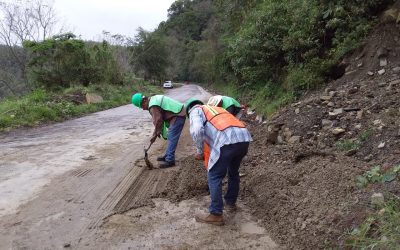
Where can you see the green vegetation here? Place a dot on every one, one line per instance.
(380, 230)
(354, 144)
(376, 175)
(42, 106)
(269, 51)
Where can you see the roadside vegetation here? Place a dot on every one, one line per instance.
(41, 106)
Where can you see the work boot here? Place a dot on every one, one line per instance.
(230, 207)
(214, 219)
(161, 158)
(167, 164)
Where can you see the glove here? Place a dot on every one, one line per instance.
(199, 157)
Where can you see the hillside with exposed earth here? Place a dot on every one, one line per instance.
(306, 175)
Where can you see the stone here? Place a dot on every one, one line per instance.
(381, 72)
(358, 126)
(338, 131)
(360, 65)
(377, 199)
(326, 123)
(381, 145)
(272, 137)
(294, 139)
(381, 52)
(368, 157)
(250, 112)
(352, 91)
(325, 98)
(93, 98)
(280, 140)
(331, 104)
(382, 84)
(381, 212)
(360, 114)
(336, 112)
(370, 73)
(297, 111)
(383, 62)
(332, 93)
(396, 70)
(259, 119)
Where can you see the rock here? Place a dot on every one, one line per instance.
(349, 109)
(381, 212)
(389, 16)
(370, 73)
(377, 123)
(294, 139)
(358, 126)
(336, 112)
(360, 65)
(338, 131)
(325, 98)
(259, 119)
(297, 111)
(352, 91)
(93, 98)
(66, 245)
(377, 199)
(382, 84)
(332, 93)
(326, 123)
(396, 70)
(381, 52)
(383, 62)
(331, 104)
(272, 137)
(360, 114)
(381, 72)
(381, 145)
(280, 140)
(351, 152)
(368, 157)
(250, 112)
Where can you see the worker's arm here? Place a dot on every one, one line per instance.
(156, 114)
(197, 129)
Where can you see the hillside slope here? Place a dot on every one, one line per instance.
(300, 174)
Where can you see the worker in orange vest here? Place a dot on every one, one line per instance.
(221, 141)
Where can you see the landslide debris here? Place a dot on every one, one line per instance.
(300, 172)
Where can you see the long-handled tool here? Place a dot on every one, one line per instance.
(146, 158)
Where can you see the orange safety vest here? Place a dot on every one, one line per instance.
(221, 120)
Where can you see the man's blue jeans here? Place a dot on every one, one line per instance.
(229, 162)
(174, 132)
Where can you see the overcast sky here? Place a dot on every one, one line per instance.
(89, 18)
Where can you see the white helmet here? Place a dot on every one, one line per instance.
(214, 100)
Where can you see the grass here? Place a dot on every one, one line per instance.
(41, 106)
(347, 145)
(380, 230)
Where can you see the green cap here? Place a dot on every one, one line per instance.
(137, 99)
(191, 102)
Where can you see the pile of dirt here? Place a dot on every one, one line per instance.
(190, 181)
(300, 172)
(303, 163)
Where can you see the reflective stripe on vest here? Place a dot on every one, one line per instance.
(221, 120)
(166, 103)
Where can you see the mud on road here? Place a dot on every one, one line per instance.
(82, 184)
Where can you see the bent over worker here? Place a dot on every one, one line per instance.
(165, 113)
(227, 103)
(222, 141)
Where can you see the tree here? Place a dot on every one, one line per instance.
(149, 55)
(33, 20)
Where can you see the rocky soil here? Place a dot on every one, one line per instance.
(299, 176)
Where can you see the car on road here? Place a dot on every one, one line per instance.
(168, 85)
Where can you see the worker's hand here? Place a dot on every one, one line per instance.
(153, 139)
(199, 157)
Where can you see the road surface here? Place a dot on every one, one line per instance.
(82, 184)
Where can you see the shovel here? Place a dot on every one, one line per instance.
(146, 158)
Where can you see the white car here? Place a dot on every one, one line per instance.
(168, 85)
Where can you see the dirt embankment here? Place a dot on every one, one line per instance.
(299, 175)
